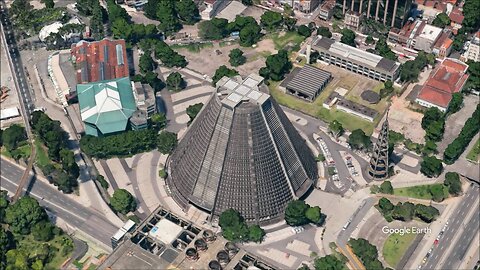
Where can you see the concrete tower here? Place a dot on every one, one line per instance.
(378, 167)
(241, 152)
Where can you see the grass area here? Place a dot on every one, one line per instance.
(42, 158)
(31, 246)
(23, 151)
(316, 109)
(419, 192)
(395, 247)
(193, 47)
(281, 40)
(475, 152)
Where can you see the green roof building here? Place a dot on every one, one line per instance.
(106, 106)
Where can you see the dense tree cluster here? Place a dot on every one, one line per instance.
(473, 81)
(441, 20)
(221, 72)
(382, 49)
(234, 228)
(411, 69)
(150, 78)
(456, 103)
(172, 13)
(120, 145)
(277, 65)
(359, 140)
(328, 262)
(193, 110)
(406, 211)
(123, 202)
(348, 37)
(452, 181)
(166, 142)
(456, 148)
(304, 31)
(335, 128)
(163, 52)
(433, 122)
(431, 166)
(248, 28)
(55, 139)
(271, 20)
(387, 89)
(471, 21)
(24, 218)
(367, 253)
(324, 32)
(300, 213)
(236, 57)
(13, 137)
(214, 29)
(146, 62)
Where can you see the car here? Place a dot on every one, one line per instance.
(436, 241)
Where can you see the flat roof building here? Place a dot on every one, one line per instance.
(100, 60)
(356, 60)
(448, 78)
(106, 106)
(306, 82)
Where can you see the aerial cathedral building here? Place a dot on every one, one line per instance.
(378, 167)
(241, 152)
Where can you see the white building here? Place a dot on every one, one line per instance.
(472, 53)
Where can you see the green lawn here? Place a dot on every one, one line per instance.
(418, 192)
(31, 246)
(395, 247)
(193, 47)
(42, 158)
(316, 109)
(25, 151)
(281, 40)
(475, 152)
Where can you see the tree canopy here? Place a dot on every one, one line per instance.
(193, 110)
(366, 252)
(277, 65)
(456, 148)
(146, 63)
(122, 201)
(271, 20)
(336, 128)
(386, 187)
(324, 32)
(382, 49)
(431, 166)
(299, 213)
(166, 142)
(471, 21)
(236, 57)
(452, 181)
(221, 72)
(214, 29)
(234, 228)
(24, 214)
(359, 140)
(455, 103)
(175, 81)
(348, 37)
(329, 262)
(441, 20)
(12, 136)
(304, 30)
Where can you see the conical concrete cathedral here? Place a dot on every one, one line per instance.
(241, 152)
(378, 167)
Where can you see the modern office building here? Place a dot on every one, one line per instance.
(106, 106)
(241, 152)
(100, 60)
(448, 78)
(306, 82)
(356, 60)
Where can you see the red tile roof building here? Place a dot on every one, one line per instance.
(456, 17)
(100, 60)
(448, 78)
(443, 46)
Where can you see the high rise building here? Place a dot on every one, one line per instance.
(241, 152)
(378, 167)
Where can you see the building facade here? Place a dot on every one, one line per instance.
(378, 167)
(356, 60)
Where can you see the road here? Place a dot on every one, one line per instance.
(456, 223)
(87, 220)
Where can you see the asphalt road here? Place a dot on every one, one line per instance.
(87, 220)
(455, 225)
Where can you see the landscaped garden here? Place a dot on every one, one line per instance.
(420, 192)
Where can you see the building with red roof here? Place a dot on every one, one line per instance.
(456, 18)
(100, 60)
(448, 78)
(443, 46)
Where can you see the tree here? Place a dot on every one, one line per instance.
(255, 233)
(430, 148)
(303, 30)
(348, 37)
(278, 65)
(437, 193)
(382, 49)
(165, 13)
(385, 206)
(403, 211)
(175, 81)
(314, 214)
(162, 173)
(386, 187)
(187, 11)
(102, 181)
(247, 2)
(431, 115)
(233, 226)
(359, 140)
(289, 22)
(24, 214)
(250, 35)
(473, 81)
(6, 243)
(366, 252)
(167, 141)
(146, 63)
(213, 29)
(221, 72)
(150, 9)
(167, 56)
(369, 40)
(441, 20)
(469, 130)
(295, 213)
(335, 128)
(435, 131)
(193, 110)
(158, 121)
(329, 262)
(320, 158)
(324, 32)
(4, 202)
(12, 136)
(43, 231)
(431, 166)
(455, 103)
(452, 181)
(236, 57)
(426, 213)
(123, 202)
(49, 3)
(17, 259)
(67, 158)
(471, 19)
(271, 20)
